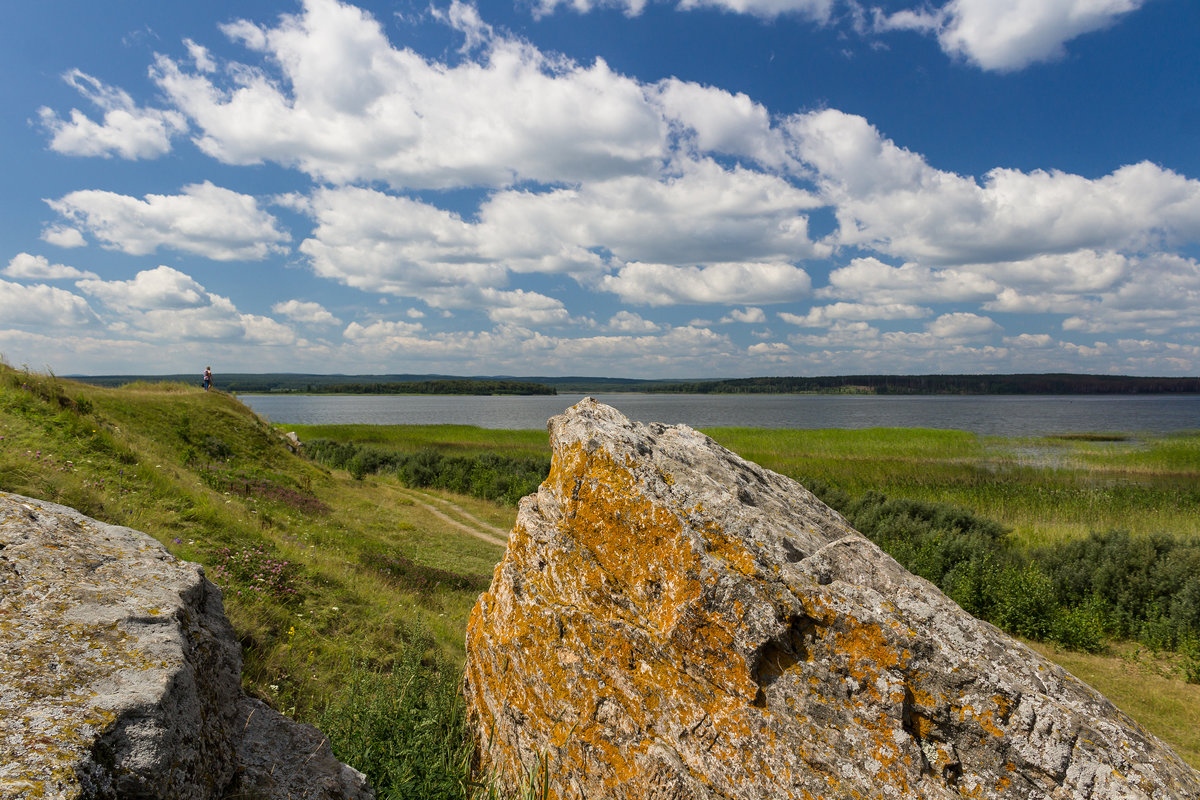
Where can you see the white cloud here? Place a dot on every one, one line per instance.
(703, 213)
(127, 131)
(396, 245)
(726, 283)
(825, 316)
(381, 330)
(520, 307)
(200, 56)
(817, 10)
(31, 267)
(205, 219)
(751, 315)
(877, 283)
(841, 334)
(63, 236)
(41, 306)
(712, 120)
(164, 304)
(889, 199)
(1030, 340)
(962, 325)
(357, 109)
(160, 288)
(629, 322)
(1006, 35)
(301, 311)
(465, 19)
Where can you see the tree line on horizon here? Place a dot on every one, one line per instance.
(1012, 384)
(940, 384)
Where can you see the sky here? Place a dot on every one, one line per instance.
(625, 188)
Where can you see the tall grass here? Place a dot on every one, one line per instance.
(1048, 490)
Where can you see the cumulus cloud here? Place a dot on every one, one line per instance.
(703, 213)
(63, 236)
(168, 305)
(750, 314)
(629, 322)
(962, 325)
(815, 10)
(42, 306)
(520, 307)
(1029, 340)
(205, 219)
(1006, 35)
(664, 284)
(160, 288)
(872, 280)
(825, 316)
(381, 330)
(889, 199)
(126, 130)
(306, 312)
(396, 245)
(31, 267)
(348, 106)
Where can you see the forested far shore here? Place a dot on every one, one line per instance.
(339, 384)
(1050, 383)
(943, 384)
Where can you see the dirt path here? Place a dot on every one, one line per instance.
(478, 528)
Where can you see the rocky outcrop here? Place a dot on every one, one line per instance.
(120, 676)
(670, 621)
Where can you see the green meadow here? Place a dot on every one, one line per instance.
(349, 586)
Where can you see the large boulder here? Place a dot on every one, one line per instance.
(670, 621)
(120, 676)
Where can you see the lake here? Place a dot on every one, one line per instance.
(1007, 415)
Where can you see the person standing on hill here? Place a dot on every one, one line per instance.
(207, 382)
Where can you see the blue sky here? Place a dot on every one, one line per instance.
(696, 188)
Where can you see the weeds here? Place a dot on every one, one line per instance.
(405, 727)
(254, 569)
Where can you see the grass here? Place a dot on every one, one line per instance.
(446, 439)
(351, 597)
(1047, 489)
(307, 558)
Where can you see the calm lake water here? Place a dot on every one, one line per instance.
(1000, 415)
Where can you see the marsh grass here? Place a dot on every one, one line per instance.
(1047, 490)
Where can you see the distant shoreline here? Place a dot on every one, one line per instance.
(1014, 384)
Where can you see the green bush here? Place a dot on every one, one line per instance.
(488, 476)
(1148, 587)
(1077, 594)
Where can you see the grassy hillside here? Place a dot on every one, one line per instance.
(351, 595)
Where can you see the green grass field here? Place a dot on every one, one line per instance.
(358, 624)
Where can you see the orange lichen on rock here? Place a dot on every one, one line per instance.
(672, 622)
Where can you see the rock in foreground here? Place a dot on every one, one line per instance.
(670, 621)
(120, 676)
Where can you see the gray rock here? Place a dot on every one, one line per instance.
(670, 621)
(120, 676)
